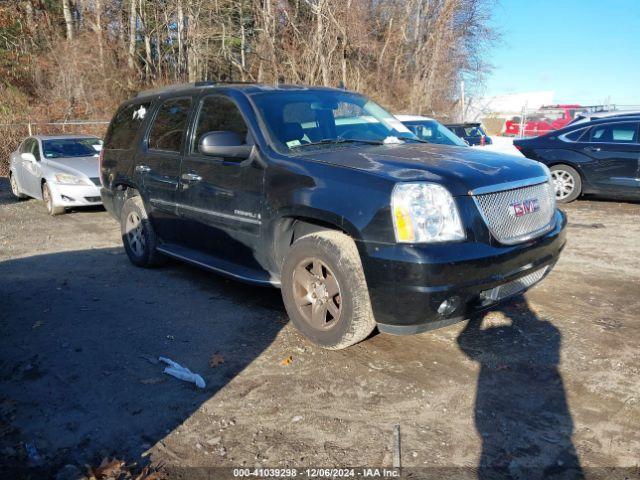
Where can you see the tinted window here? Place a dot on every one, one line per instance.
(218, 114)
(575, 135)
(124, 126)
(169, 125)
(615, 133)
(71, 147)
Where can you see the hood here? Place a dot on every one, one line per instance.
(459, 169)
(88, 166)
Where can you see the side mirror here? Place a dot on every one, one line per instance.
(28, 157)
(224, 144)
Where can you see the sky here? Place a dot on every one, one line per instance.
(585, 50)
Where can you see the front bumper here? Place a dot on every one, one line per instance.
(408, 283)
(75, 195)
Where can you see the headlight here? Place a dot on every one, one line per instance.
(424, 212)
(68, 179)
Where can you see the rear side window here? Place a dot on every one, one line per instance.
(615, 133)
(125, 125)
(169, 125)
(575, 135)
(218, 114)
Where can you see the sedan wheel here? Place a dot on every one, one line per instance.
(566, 182)
(14, 187)
(48, 201)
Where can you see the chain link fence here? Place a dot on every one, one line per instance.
(13, 134)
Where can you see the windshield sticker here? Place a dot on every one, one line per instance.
(293, 143)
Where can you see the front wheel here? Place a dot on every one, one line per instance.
(567, 183)
(325, 292)
(48, 201)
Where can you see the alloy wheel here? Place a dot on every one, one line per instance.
(563, 182)
(46, 196)
(14, 186)
(135, 234)
(317, 294)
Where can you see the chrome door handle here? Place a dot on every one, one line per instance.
(191, 177)
(143, 169)
(593, 149)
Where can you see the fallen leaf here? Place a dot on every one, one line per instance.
(215, 360)
(107, 469)
(287, 361)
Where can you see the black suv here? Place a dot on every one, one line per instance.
(600, 157)
(324, 194)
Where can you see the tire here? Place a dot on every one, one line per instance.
(312, 264)
(138, 236)
(48, 201)
(567, 182)
(15, 190)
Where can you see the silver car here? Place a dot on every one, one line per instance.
(61, 170)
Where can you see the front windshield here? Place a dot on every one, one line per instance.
(315, 119)
(434, 132)
(71, 147)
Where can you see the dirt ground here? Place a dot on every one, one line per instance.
(549, 381)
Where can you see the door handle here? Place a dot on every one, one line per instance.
(143, 169)
(191, 177)
(593, 149)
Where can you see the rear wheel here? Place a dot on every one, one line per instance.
(138, 236)
(48, 201)
(14, 187)
(325, 292)
(567, 183)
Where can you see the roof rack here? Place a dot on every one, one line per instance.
(182, 86)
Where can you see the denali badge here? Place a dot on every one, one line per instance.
(524, 207)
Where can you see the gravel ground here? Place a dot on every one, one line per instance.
(548, 381)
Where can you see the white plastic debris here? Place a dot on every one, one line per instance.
(183, 373)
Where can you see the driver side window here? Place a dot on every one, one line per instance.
(220, 114)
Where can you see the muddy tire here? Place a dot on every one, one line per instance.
(567, 183)
(325, 292)
(48, 202)
(15, 190)
(138, 236)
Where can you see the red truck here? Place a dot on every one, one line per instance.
(547, 118)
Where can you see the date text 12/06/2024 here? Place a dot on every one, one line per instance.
(316, 472)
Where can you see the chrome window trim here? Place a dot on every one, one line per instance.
(499, 187)
(237, 218)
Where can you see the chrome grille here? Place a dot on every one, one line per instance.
(511, 288)
(497, 211)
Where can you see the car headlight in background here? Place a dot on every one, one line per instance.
(425, 212)
(68, 179)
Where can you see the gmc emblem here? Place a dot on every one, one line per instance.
(520, 209)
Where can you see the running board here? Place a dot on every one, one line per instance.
(217, 265)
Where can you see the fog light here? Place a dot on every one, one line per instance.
(449, 306)
(66, 199)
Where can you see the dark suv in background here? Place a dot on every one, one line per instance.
(324, 194)
(472, 133)
(600, 157)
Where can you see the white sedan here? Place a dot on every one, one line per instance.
(61, 170)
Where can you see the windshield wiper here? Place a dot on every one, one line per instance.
(337, 141)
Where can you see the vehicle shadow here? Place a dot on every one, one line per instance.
(521, 410)
(6, 197)
(82, 330)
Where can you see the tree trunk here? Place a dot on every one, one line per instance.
(68, 18)
(132, 35)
